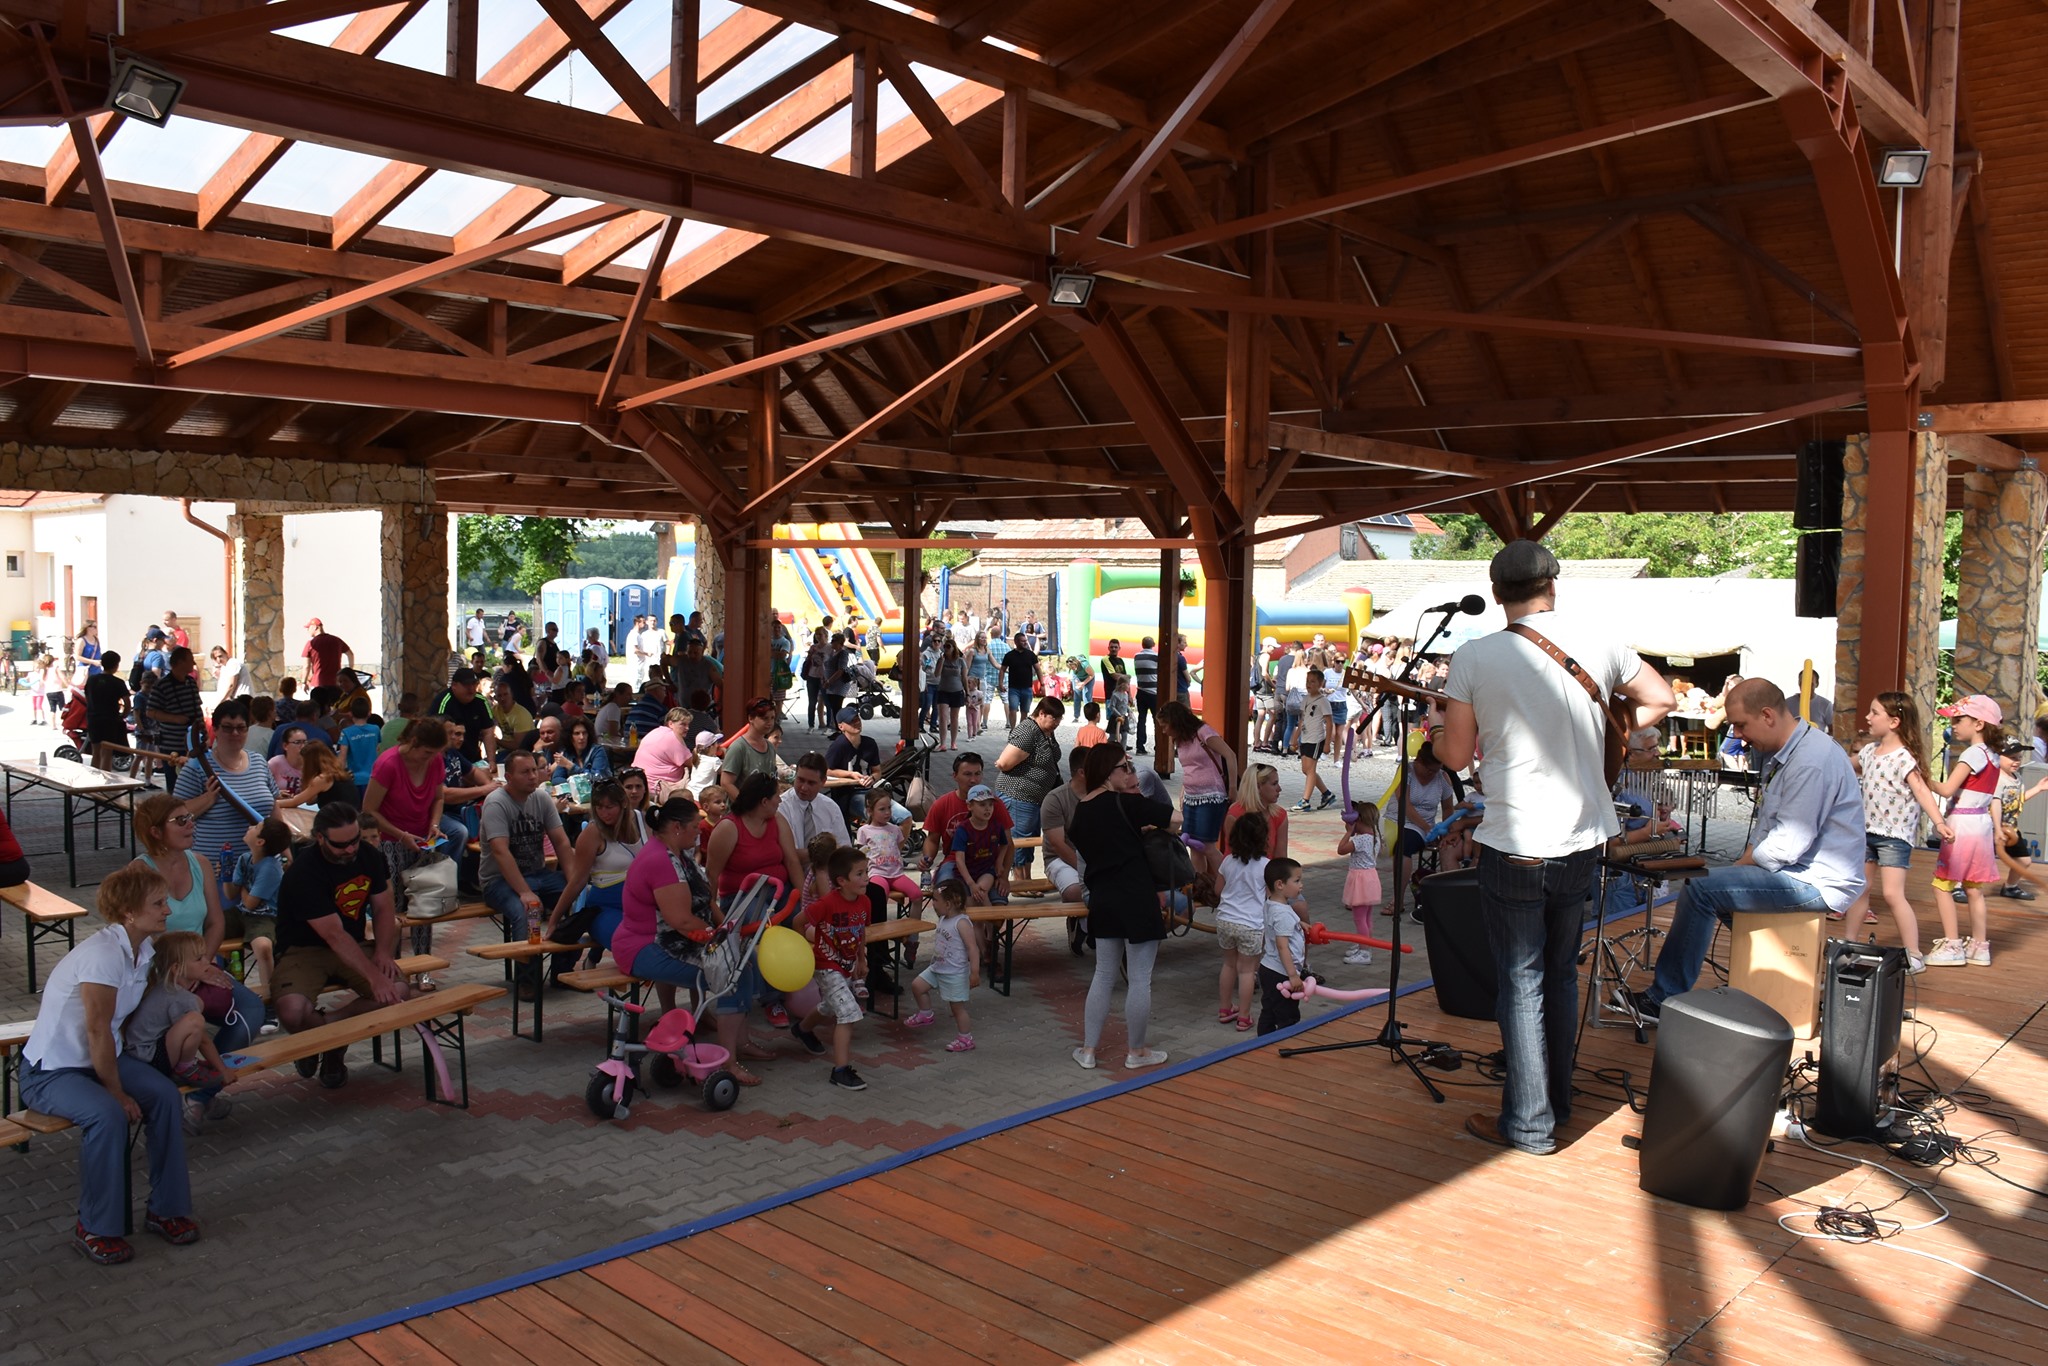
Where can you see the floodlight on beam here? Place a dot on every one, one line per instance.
(1070, 289)
(1902, 168)
(144, 92)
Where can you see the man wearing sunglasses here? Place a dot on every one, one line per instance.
(329, 898)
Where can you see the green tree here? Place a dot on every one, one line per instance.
(623, 555)
(1676, 544)
(522, 552)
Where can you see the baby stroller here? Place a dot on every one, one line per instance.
(671, 1049)
(868, 694)
(72, 721)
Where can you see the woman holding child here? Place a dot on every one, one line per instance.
(73, 1066)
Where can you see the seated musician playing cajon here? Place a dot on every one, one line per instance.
(1805, 856)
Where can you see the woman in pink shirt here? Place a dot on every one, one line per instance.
(664, 755)
(403, 802)
(1208, 772)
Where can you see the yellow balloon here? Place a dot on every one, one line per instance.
(785, 958)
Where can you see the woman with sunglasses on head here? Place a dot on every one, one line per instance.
(167, 830)
(238, 793)
(596, 885)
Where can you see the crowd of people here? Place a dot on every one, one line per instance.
(613, 817)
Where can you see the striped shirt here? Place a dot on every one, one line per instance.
(225, 822)
(1145, 670)
(181, 698)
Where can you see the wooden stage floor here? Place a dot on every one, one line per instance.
(1322, 1210)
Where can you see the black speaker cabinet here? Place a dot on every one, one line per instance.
(1817, 514)
(1862, 1006)
(1714, 1087)
(1460, 956)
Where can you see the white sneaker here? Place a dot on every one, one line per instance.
(1979, 952)
(195, 1115)
(1359, 955)
(1949, 953)
(1086, 1057)
(1915, 964)
(220, 1107)
(1151, 1057)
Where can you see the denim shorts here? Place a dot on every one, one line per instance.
(1887, 851)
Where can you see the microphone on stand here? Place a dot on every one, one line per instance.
(1470, 605)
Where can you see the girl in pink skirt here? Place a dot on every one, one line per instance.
(1970, 859)
(1361, 840)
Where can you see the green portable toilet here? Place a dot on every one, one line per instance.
(21, 632)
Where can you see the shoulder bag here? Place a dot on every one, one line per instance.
(1617, 713)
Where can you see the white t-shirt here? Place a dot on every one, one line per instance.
(611, 719)
(232, 672)
(1242, 900)
(474, 632)
(1315, 719)
(105, 959)
(1283, 924)
(1544, 741)
(1429, 798)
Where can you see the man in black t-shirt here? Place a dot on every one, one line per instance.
(330, 895)
(459, 703)
(106, 706)
(1020, 670)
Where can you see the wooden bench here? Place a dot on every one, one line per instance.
(520, 951)
(1008, 921)
(440, 1014)
(48, 916)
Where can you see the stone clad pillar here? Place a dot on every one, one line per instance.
(1923, 627)
(259, 598)
(418, 631)
(1998, 598)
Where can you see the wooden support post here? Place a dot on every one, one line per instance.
(1168, 646)
(867, 80)
(462, 27)
(1929, 240)
(1016, 147)
(684, 23)
(1226, 640)
(747, 595)
(906, 656)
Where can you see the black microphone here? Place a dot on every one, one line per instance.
(1470, 605)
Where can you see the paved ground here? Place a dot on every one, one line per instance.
(321, 1207)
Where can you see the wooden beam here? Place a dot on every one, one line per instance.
(943, 131)
(1398, 455)
(2017, 417)
(1640, 405)
(1974, 448)
(404, 280)
(1117, 258)
(236, 24)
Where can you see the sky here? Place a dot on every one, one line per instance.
(316, 179)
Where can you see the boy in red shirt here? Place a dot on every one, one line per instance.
(837, 925)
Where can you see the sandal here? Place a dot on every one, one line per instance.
(1244, 1023)
(753, 1052)
(741, 1075)
(423, 984)
(1226, 1014)
(103, 1249)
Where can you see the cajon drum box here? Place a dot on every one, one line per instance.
(1777, 959)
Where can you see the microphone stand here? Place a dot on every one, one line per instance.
(1391, 1037)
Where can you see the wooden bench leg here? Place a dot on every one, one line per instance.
(447, 1034)
(37, 933)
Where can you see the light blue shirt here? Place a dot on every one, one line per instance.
(1809, 821)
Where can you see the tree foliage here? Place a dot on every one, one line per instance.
(1676, 544)
(519, 553)
(622, 555)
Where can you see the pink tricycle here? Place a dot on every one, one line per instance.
(669, 1053)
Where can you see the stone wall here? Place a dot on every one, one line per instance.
(1998, 597)
(259, 598)
(225, 478)
(1923, 626)
(418, 640)
(710, 585)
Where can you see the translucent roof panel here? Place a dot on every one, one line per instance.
(315, 179)
(29, 145)
(181, 155)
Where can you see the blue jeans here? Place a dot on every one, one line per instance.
(547, 884)
(1023, 821)
(1534, 911)
(76, 1094)
(1290, 724)
(1717, 897)
(1020, 704)
(245, 1020)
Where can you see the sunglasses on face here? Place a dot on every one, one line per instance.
(1127, 767)
(181, 819)
(338, 845)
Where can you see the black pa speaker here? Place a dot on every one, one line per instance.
(1863, 1004)
(1460, 955)
(1817, 515)
(1714, 1087)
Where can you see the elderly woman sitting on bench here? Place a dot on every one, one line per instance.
(73, 1068)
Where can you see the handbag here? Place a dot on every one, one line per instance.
(216, 1002)
(1617, 713)
(1172, 868)
(429, 887)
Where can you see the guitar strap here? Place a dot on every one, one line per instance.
(1572, 667)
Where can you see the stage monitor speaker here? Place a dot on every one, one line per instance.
(1460, 956)
(1817, 515)
(1714, 1087)
(1863, 1005)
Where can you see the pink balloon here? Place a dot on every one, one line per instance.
(1311, 987)
(801, 1002)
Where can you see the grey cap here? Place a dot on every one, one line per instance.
(1522, 562)
(981, 792)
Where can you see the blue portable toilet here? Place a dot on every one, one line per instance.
(595, 600)
(658, 604)
(633, 599)
(561, 602)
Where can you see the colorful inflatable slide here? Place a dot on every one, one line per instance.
(808, 585)
(1099, 603)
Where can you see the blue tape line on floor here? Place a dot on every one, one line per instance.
(505, 1285)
